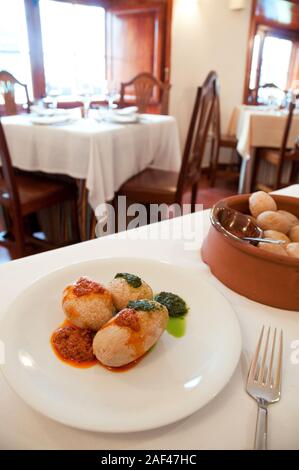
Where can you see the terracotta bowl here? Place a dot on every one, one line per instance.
(257, 274)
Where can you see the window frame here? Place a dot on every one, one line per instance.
(273, 26)
(264, 32)
(33, 22)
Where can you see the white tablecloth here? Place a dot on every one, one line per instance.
(255, 126)
(228, 422)
(104, 154)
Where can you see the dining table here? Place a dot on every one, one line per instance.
(260, 126)
(101, 153)
(228, 421)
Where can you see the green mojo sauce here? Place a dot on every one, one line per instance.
(131, 279)
(176, 326)
(145, 305)
(175, 305)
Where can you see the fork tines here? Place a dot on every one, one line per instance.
(265, 369)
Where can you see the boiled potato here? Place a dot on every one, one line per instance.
(294, 234)
(274, 235)
(271, 220)
(87, 304)
(261, 202)
(126, 287)
(293, 250)
(130, 334)
(292, 218)
(275, 249)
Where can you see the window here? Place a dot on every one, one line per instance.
(14, 49)
(270, 67)
(73, 38)
(275, 51)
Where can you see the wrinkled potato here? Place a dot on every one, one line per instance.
(294, 234)
(292, 218)
(275, 249)
(293, 250)
(271, 220)
(274, 235)
(130, 334)
(260, 202)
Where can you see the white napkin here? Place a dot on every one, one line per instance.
(48, 111)
(127, 111)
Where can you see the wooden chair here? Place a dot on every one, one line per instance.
(7, 91)
(219, 141)
(277, 158)
(159, 186)
(144, 88)
(22, 195)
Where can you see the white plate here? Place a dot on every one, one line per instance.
(48, 112)
(178, 377)
(122, 119)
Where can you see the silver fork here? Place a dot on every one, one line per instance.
(264, 382)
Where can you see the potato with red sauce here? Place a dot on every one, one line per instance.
(131, 333)
(87, 304)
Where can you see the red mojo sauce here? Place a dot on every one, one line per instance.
(73, 346)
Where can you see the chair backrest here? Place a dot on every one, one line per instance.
(11, 191)
(7, 91)
(201, 122)
(144, 85)
(287, 129)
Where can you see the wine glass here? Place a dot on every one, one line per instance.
(112, 94)
(53, 93)
(86, 93)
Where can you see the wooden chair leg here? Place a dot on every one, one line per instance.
(294, 173)
(193, 197)
(18, 231)
(278, 183)
(255, 172)
(93, 223)
(82, 204)
(75, 221)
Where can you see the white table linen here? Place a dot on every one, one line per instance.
(104, 154)
(256, 126)
(228, 422)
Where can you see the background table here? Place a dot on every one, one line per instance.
(228, 422)
(103, 154)
(259, 126)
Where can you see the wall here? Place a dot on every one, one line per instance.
(206, 36)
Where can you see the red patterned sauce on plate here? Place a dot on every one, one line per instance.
(73, 346)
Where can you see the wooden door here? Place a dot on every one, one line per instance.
(136, 39)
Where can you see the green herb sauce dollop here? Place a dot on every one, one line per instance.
(131, 279)
(175, 305)
(145, 305)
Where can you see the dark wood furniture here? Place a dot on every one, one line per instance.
(147, 90)
(7, 90)
(21, 195)
(277, 158)
(158, 186)
(219, 141)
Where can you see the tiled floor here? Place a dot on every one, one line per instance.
(206, 196)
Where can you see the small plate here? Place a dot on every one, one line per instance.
(178, 377)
